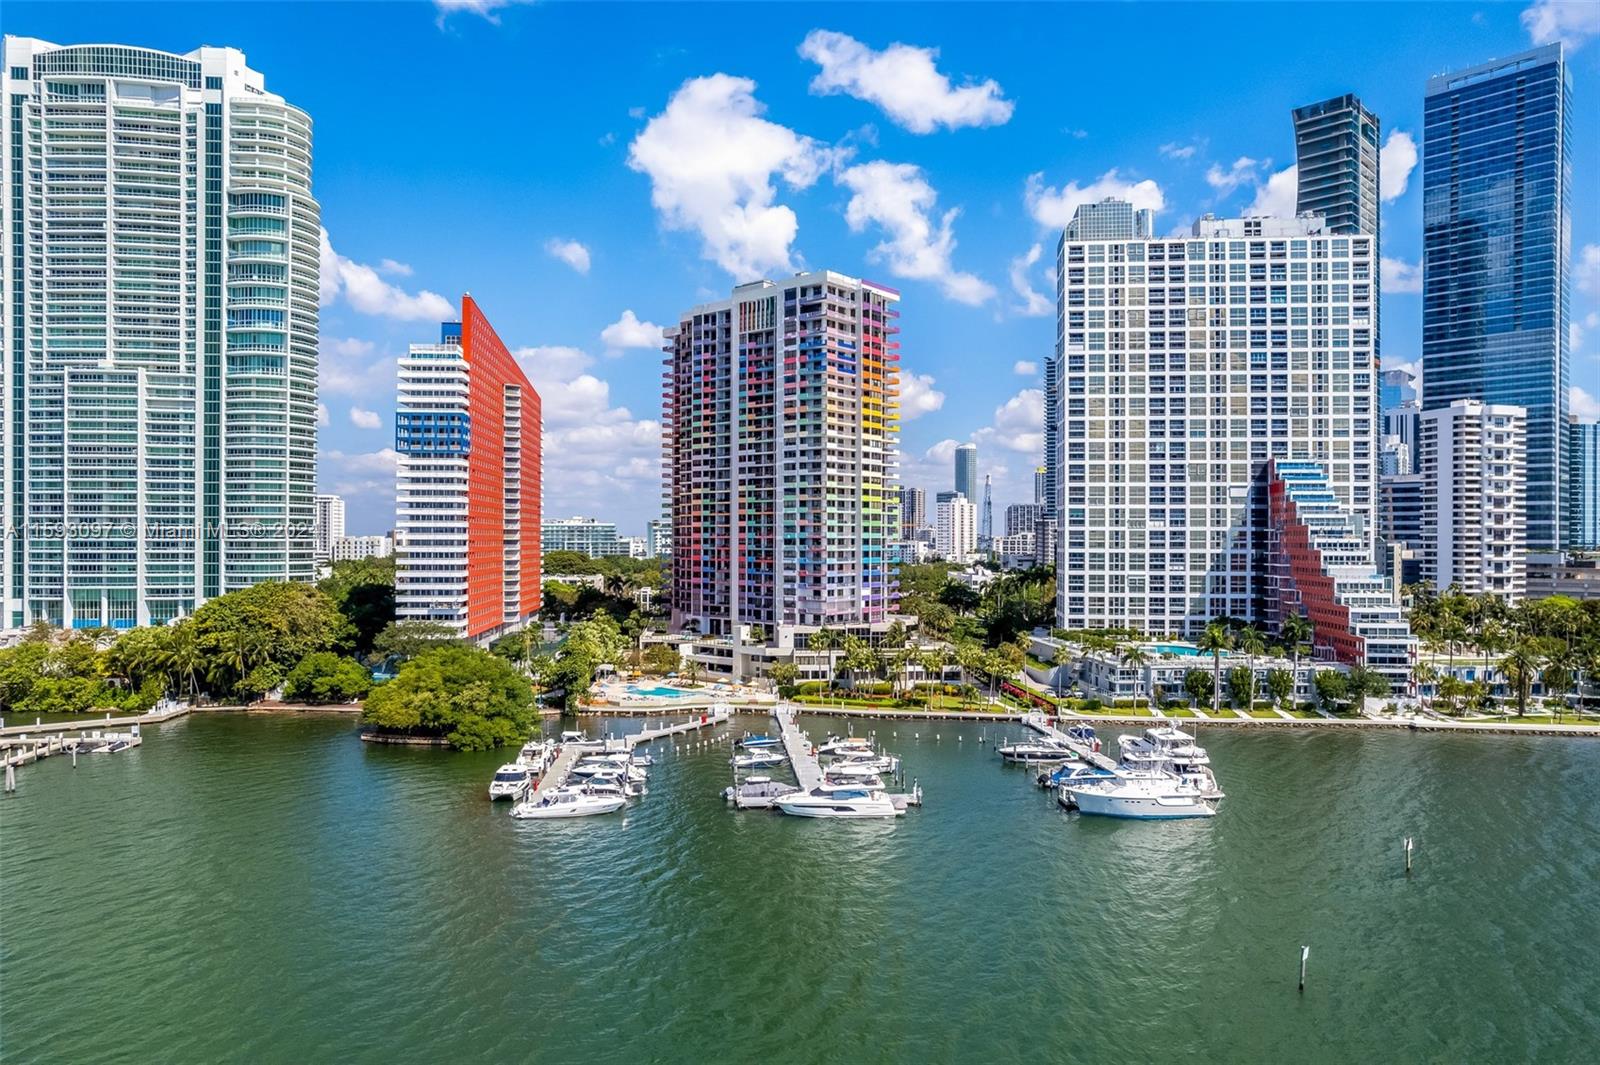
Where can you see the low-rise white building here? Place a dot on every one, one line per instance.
(350, 548)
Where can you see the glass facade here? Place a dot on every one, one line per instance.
(1336, 152)
(1496, 178)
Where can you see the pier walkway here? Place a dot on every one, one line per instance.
(715, 717)
(556, 776)
(1041, 724)
(807, 770)
(165, 710)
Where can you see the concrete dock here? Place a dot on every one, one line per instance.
(556, 776)
(165, 710)
(716, 716)
(802, 756)
(1041, 724)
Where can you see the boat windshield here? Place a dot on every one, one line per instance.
(510, 775)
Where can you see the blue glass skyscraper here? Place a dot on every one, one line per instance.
(1496, 181)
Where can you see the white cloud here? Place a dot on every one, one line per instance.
(571, 252)
(1396, 159)
(918, 396)
(1586, 271)
(1053, 207)
(369, 293)
(488, 10)
(1181, 152)
(1560, 20)
(1397, 275)
(629, 332)
(1018, 424)
(1414, 368)
(1034, 303)
(344, 368)
(365, 419)
(1025, 367)
(904, 82)
(552, 362)
(1578, 327)
(711, 158)
(323, 419)
(1277, 198)
(899, 200)
(1582, 404)
(1241, 172)
(366, 480)
(389, 266)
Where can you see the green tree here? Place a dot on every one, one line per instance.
(1214, 641)
(1521, 666)
(1241, 687)
(784, 675)
(1332, 688)
(363, 591)
(1135, 657)
(661, 658)
(326, 677)
(1280, 683)
(1198, 686)
(473, 699)
(408, 639)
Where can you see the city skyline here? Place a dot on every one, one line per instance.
(587, 258)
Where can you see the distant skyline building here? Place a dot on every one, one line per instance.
(1041, 479)
(658, 538)
(468, 433)
(955, 535)
(355, 548)
(1496, 214)
(330, 525)
(1179, 391)
(1336, 146)
(966, 470)
(586, 536)
(780, 448)
(1473, 459)
(160, 280)
(913, 511)
(1400, 521)
(1397, 388)
(1022, 518)
(1583, 484)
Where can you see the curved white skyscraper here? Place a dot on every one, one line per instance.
(161, 280)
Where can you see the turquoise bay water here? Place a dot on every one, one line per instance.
(271, 890)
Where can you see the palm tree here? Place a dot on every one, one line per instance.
(1521, 666)
(183, 659)
(1252, 644)
(1295, 631)
(1136, 658)
(933, 661)
(1063, 655)
(825, 640)
(1213, 641)
(969, 656)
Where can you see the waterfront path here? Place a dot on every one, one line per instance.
(807, 770)
(164, 712)
(711, 719)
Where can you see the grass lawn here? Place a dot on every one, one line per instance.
(1305, 714)
(1263, 713)
(1183, 711)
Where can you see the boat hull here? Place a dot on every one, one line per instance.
(610, 805)
(1135, 807)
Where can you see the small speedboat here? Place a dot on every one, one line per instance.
(753, 742)
(536, 755)
(1032, 751)
(842, 746)
(862, 767)
(510, 781)
(568, 802)
(759, 759)
(757, 792)
(851, 802)
(871, 783)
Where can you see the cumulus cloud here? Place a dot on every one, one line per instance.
(1018, 424)
(898, 200)
(1025, 367)
(1277, 198)
(552, 362)
(365, 291)
(345, 367)
(323, 418)
(1243, 171)
(1579, 327)
(711, 160)
(365, 480)
(629, 332)
(1034, 303)
(1053, 207)
(904, 82)
(396, 269)
(918, 396)
(1396, 159)
(1582, 404)
(1572, 21)
(1181, 152)
(1397, 275)
(571, 252)
(365, 419)
(1586, 271)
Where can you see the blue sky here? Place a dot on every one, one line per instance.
(588, 170)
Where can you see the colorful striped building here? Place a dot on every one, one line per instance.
(780, 450)
(468, 483)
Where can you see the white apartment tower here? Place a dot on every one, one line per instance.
(955, 531)
(330, 525)
(159, 301)
(1186, 365)
(1474, 463)
(780, 456)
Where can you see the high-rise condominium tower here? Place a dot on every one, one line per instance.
(779, 444)
(160, 283)
(913, 511)
(1583, 483)
(1496, 177)
(468, 483)
(330, 525)
(1110, 219)
(966, 471)
(1336, 156)
(1187, 365)
(1474, 498)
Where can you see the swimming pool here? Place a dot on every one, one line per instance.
(657, 691)
(1175, 649)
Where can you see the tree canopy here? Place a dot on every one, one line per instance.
(473, 699)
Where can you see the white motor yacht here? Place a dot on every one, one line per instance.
(757, 759)
(1144, 796)
(862, 767)
(1170, 750)
(839, 802)
(536, 755)
(568, 802)
(1031, 751)
(510, 781)
(757, 792)
(842, 746)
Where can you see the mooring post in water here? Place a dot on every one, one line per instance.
(1408, 855)
(74, 756)
(11, 775)
(1305, 953)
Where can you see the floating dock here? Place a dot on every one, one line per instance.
(1041, 724)
(556, 776)
(802, 756)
